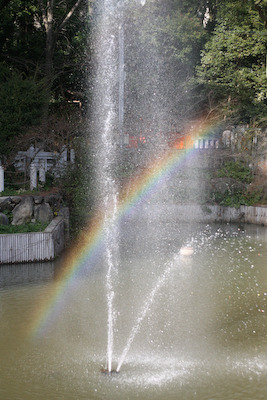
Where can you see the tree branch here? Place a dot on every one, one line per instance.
(262, 13)
(44, 17)
(69, 14)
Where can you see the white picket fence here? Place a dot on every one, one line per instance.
(33, 246)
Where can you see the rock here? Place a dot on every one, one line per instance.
(8, 203)
(38, 199)
(15, 199)
(5, 204)
(43, 213)
(3, 219)
(53, 200)
(23, 212)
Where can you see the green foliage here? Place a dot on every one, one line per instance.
(183, 38)
(21, 103)
(23, 44)
(163, 40)
(70, 58)
(78, 186)
(236, 170)
(8, 213)
(236, 198)
(21, 39)
(30, 227)
(261, 7)
(233, 61)
(177, 35)
(233, 196)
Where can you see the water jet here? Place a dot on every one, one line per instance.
(177, 305)
(105, 371)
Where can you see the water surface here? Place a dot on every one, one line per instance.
(203, 336)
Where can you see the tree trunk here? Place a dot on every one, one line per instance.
(51, 30)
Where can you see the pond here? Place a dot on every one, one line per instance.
(203, 334)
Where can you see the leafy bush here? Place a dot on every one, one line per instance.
(236, 170)
(238, 193)
(77, 186)
(236, 198)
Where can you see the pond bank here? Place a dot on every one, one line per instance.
(47, 245)
(207, 213)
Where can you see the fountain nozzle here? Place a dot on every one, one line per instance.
(105, 371)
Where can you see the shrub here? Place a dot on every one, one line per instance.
(236, 170)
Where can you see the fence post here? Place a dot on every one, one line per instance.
(42, 171)
(33, 176)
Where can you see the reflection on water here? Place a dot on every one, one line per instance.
(26, 273)
(203, 337)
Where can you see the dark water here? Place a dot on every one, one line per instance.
(204, 336)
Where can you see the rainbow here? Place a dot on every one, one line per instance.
(90, 243)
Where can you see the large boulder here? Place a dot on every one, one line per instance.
(3, 219)
(43, 213)
(23, 212)
(54, 200)
(38, 199)
(5, 204)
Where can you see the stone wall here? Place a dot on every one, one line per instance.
(206, 214)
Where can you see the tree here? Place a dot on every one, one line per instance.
(54, 18)
(233, 67)
(20, 108)
(37, 35)
(21, 40)
(23, 63)
(52, 30)
(163, 41)
(261, 7)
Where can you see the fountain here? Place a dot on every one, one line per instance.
(187, 326)
(149, 305)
